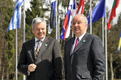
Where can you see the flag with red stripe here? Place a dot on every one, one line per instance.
(80, 9)
(67, 22)
(113, 12)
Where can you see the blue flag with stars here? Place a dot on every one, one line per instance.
(98, 12)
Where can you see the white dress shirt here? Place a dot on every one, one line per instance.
(75, 42)
(36, 43)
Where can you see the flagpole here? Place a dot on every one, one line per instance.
(103, 31)
(16, 55)
(56, 18)
(106, 50)
(58, 23)
(106, 44)
(103, 35)
(72, 18)
(24, 29)
(90, 17)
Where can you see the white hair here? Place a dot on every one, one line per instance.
(86, 21)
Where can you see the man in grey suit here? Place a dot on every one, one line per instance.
(44, 63)
(84, 54)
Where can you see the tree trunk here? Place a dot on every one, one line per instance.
(111, 67)
(0, 60)
(2, 72)
(7, 75)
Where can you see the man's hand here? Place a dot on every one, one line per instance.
(32, 67)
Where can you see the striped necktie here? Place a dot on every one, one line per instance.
(38, 47)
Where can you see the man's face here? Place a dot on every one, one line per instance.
(78, 25)
(39, 30)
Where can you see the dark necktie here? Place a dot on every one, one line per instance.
(77, 41)
(38, 47)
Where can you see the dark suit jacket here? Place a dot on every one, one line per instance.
(49, 61)
(87, 61)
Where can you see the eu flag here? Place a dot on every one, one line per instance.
(98, 12)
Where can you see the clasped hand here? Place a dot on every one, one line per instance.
(32, 67)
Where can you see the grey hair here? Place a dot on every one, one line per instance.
(86, 21)
(37, 20)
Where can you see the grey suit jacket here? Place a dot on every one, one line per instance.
(49, 60)
(87, 61)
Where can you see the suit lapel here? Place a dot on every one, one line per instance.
(83, 40)
(32, 54)
(70, 45)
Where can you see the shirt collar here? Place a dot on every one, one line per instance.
(40, 39)
(80, 37)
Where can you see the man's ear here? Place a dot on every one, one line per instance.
(86, 25)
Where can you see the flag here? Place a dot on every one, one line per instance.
(16, 18)
(49, 29)
(52, 16)
(67, 22)
(74, 8)
(113, 12)
(98, 12)
(80, 9)
(119, 45)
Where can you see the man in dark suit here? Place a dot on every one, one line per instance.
(44, 63)
(84, 54)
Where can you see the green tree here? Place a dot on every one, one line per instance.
(113, 58)
(36, 10)
(7, 41)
